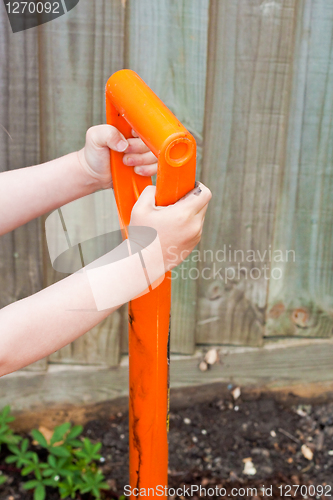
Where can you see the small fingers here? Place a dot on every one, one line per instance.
(146, 170)
(196, 200)
(106, 135)
(146, 198)
(134, 134)
(136, 146)
(135, 160)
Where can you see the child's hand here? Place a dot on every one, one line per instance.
(179, 226)
(95, 156)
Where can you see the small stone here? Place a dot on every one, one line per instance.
(236, 393)
(249, 468)
(211, 356)
(330, 453)
(194, 439)
(301, 412)
(236, 408)
(273, 434)
(233, 477)
(122, 436)
(113, 484)
(187, 421)
(203, 366)
(307, 452)
(260, 451)
(320, 441)
(265, 469)
(204, 432)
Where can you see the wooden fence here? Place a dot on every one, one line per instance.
(253, 82)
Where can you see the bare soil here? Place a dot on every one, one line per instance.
(226, 443)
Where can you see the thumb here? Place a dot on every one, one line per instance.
(106, 135)
(147, 197)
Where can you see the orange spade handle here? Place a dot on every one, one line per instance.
(131, 104)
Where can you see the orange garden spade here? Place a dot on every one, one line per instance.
(131, 104)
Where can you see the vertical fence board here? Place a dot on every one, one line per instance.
(250, 53)
(78, 53)
(300, 303)
(20, 250)
(167, 47)
(268, 154)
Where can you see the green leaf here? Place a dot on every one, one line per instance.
(96, 492)
(26, 470)
(75, 443)
(40, 492)
(31, 484)
(50, 482)
(59, 432)
(11, 439)
(97, 447)
(48, 472)
(59, 451)
(4, 429)
(74, 432)
(4, 415)
(25, 445)
(3, 479)
(14, 449)
(52, 460)
(105, 486)
(38, 436)
(6, 411)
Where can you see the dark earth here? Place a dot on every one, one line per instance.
(216, 444)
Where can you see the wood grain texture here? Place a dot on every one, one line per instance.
(301, 301)
(249, 72)
(166, 45)
(20, 250)
(271, 368)
(78, 53)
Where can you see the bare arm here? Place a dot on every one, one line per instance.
(37, 326)
(27, 193)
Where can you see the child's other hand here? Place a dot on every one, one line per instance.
(95, 156)
(139, 156)
(178, 226)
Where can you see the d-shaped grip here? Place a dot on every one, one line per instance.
(131, 104)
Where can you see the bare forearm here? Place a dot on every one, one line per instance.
(27, 193)
(39, 325)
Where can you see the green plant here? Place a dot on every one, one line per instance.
(70, 466)
(3, 479)
(93, 482)
(7, 436)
